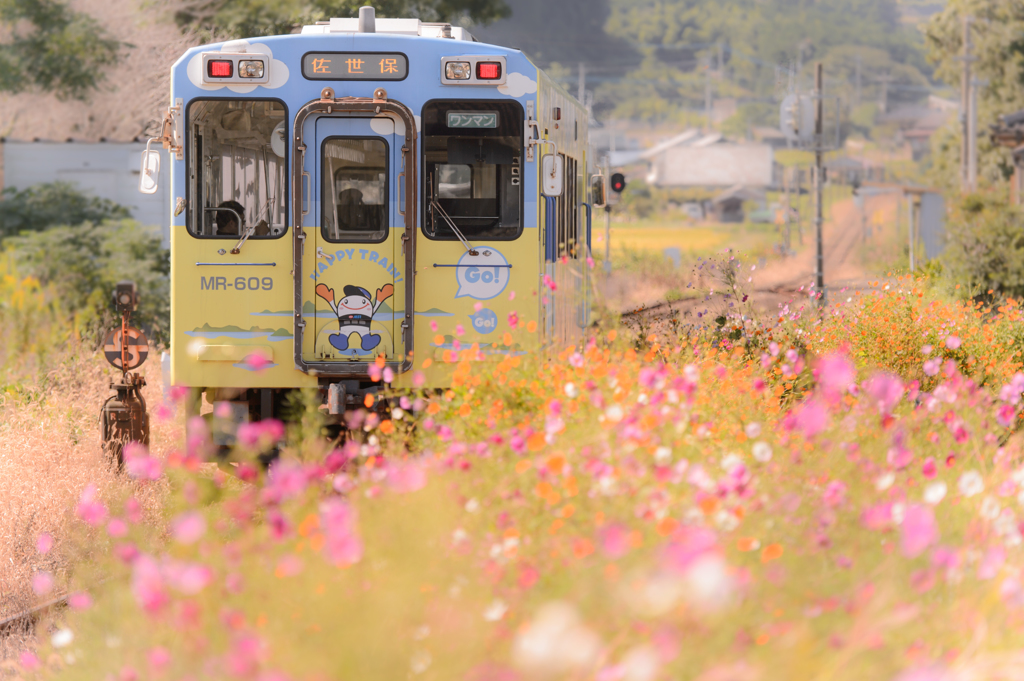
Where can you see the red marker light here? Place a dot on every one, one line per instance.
(488, 70)
(219, 68)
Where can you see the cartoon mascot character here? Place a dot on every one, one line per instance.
(355, 313)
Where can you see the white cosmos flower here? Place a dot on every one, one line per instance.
(752, 429)
(663, 456)
(731, 461)
(571, 390)
(885, 481)
(641, 663)
(495, 611)
(935, 492)
(762, 451)
(472, 506)
(989, 508)
(555, 643)
(614, 413)
(62, 637)
(970, 484)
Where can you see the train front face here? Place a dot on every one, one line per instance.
(304, 255)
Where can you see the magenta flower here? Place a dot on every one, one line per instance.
(90, 509)
(835, 493)
(877, 517)
(952, 342)
(42, 583)
(405, 478)
(1006, 415)
(886, 390)
(286, 480)
(187, 578)
(614, 541)
(148, 584)
(690, 544)
(188, 527)
(931, 366)
(257, 362)
(44, 543)
(342, 546)
(811, 418)
(928, 468)
(918, 530)
(80, 600)
(836, 373)
(159, 658)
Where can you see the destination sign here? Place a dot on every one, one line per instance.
(472, 119)
(355, 66)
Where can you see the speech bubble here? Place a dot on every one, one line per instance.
(484, 321)
(482, 276)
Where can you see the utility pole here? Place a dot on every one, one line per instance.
(972, 136)
(582, 90)
(707, 93)
(819, 176)
(883, 97)
(965, 106)
(857, 91)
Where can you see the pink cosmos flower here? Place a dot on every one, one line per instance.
(928, 468)
(877, 517)
(90, 509)
(188, 527)
(918, 530)
(80, 600)
(159, 658)
(1006, 414)
(931, 366)
(614, 541)
(187, 578)
(257, 362)
(835, 493)
(117, 527)
(886, 390)
(341, 545)
(42, 583)
(28, 661)
(690, 544)
(811, 418)
(408, 477)
(836, 373)
(952, 342)
(177, 392)
(148, 584)
(991, 562)
(44, 543)
(286, 480)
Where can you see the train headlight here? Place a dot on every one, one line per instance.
(458, 70)
(250, 68)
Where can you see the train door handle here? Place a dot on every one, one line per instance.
(307, 185)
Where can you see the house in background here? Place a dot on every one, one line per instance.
(106, 170)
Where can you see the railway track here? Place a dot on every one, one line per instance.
(29, 617)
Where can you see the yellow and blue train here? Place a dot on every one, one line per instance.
(369, 191)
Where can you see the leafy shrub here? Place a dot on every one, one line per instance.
(83, 264)
(48, 205)
(985, 247)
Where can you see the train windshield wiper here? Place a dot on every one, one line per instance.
(451, 223)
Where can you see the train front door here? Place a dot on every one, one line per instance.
(358, 279)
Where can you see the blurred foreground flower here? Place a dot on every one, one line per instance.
(555, 643)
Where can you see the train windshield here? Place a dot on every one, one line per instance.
(236, 156)
(473, 162)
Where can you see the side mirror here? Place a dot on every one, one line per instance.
(149, 174)
(552, 170)
(597, 195)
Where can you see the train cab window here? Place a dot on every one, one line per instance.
(473, 170)
(236, 168)
(354, 197)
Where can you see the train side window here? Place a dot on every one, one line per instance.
(473, 170)
(355, 190)
(237, 162)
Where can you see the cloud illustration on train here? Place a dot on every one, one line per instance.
(518, 84)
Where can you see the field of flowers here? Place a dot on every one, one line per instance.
(832, 496)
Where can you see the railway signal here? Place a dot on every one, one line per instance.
(618, 183)
(124, 418)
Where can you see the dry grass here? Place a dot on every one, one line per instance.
(49, 451)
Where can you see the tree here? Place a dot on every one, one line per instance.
(52, 48)
(47, 205)
(999, 51)
(249, 18)
(84, 262)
